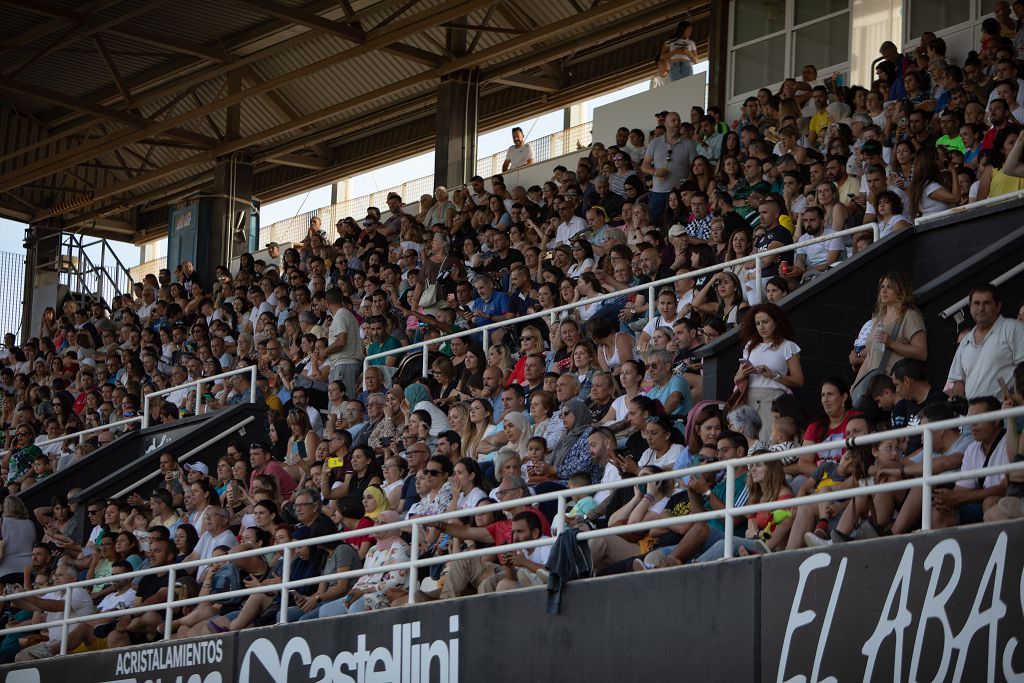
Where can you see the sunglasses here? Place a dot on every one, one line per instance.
(432, 473)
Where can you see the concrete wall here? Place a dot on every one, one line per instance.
(638, 110)
(857, 611)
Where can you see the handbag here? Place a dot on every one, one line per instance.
(859, 391)
(738, 397)
(430, 298)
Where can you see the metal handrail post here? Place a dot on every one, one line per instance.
(252, 385)
(928, 445)
(67, 615)
(558, 525)
(414, 557)
(730, 502)
(169, 612)
(758, 285)
(282, 617)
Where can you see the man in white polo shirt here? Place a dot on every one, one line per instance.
(990, 351)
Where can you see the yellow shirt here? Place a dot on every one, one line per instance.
(1004, 184)
(819, 122)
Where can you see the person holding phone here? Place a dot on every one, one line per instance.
(770, 365)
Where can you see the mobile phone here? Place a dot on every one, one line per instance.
(335, 462)
(386, 441)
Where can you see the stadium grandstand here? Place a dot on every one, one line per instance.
(747, 352)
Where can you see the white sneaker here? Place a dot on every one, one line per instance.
(813, 541)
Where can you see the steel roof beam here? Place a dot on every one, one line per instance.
(652, 15)
(375, 39)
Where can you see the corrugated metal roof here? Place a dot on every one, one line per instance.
(274, 47)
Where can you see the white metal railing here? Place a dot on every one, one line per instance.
(144, 417)
(962, 303)
(198, 383)
(650, 288)
(988, 201)
(414, 525)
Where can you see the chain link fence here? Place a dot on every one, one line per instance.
(12, 279)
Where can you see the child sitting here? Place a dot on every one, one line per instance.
(581, 504)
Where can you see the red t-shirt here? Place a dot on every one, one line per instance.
(356, 541)
(817, 434)
(501, 531)
(284, 479)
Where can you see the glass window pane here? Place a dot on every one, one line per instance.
(935, 15)
(823, 43)
(988, 7)
(756, 18)
(808, 10)
(759, 64)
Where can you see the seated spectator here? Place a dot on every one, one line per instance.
(968, 501)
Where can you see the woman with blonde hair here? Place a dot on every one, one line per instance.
(458, 419)
(500, 357)
(897, 328)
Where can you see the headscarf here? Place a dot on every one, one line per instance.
(382, 501)
(523, 424)
(415, 394)
(581, 426)
(838, 111)
(419, 399)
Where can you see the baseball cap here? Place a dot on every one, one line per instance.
(677, 230)
(197, 467)
(661, 114)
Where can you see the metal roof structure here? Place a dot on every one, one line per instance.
(110, 109)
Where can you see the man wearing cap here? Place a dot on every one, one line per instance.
(520, 154)
(217, 533)
(273, 252)
(668, 159)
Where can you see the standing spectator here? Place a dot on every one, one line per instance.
(770, 365)
(19, 535)
(680, 52)
(990, 351)
(668, 159)
(520, 154)
(344, 348)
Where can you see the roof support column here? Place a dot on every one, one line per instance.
(718, 54)
(43, 261)
(457, 99)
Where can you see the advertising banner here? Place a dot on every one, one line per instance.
(924, 607)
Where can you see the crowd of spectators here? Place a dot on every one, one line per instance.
(598, 393)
